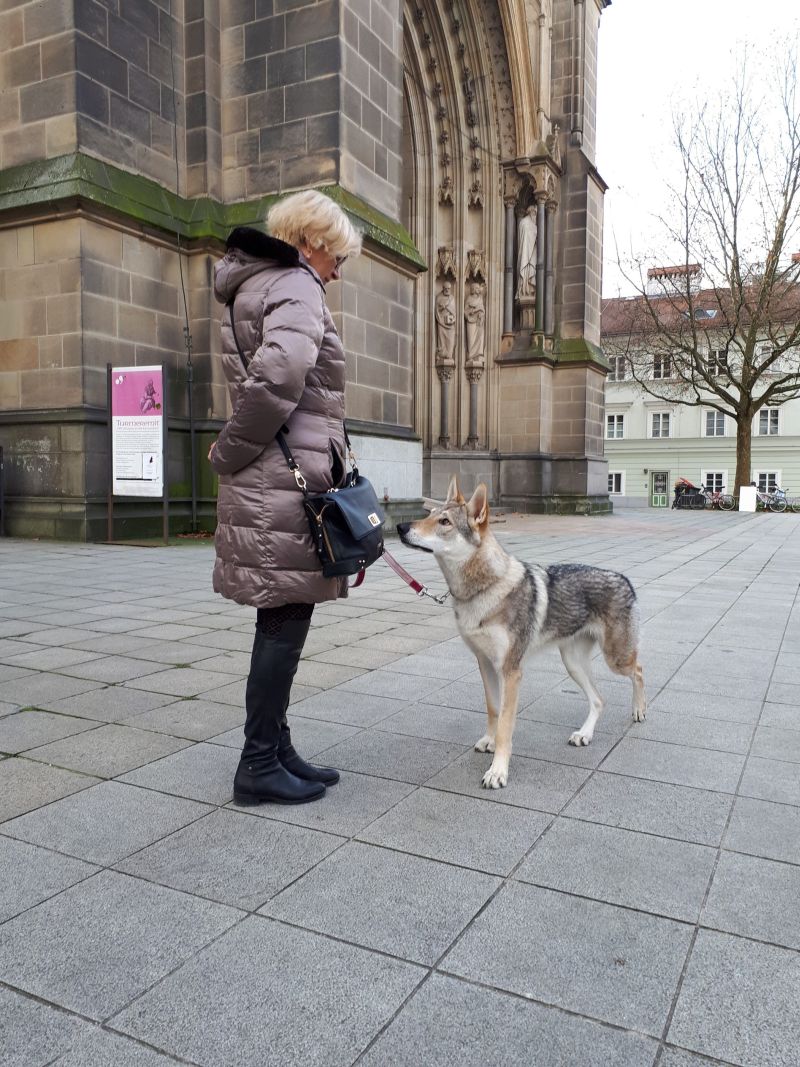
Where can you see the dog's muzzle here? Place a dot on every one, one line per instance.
(403, 529)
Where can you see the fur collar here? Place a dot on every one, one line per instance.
(255, 243)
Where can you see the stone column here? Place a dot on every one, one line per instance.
(474, 374)
(540, 257)
(549, 276)
(444, 373)
(508, 281)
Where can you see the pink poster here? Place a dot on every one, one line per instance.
(137, 408)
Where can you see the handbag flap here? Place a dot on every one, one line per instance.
(359, 507)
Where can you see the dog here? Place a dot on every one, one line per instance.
(505, 609)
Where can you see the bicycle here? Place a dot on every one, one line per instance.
(776, 500)
(718, 498)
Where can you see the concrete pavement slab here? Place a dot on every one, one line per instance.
(767, 779)
(113, 749)
(608, 963)
(756, 898)
(450, 1023)
(536, 784)
(653, 807)
(491, 838)
(386, 755)
(739, 1002)
(195, 719)
(104, 823)
(31, 1033)
(404, 905)
(29, 875)
(761, 828)
(232, 857)
(26, 786)
(28, 729)
(96, 946)
(678, 764)
(202, 772)
(324, 1009)
(622, 867)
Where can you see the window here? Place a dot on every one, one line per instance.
(717, 363)
(768, 422)
(715, 424)
(616, 483)
(619, 370)
(660, 424)
(661, 367)
(714, 480)
(615, 426)
(767, 481)
(764, 353)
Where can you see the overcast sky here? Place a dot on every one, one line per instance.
(649, 52)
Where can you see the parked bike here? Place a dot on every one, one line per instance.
(718, 498)
(776, 500)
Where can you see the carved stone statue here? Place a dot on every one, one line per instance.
(445, 315)
(526, 257)
(475, 317)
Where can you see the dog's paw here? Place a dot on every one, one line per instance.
(639, 713)
(579, 740)
(486, 744)
(495, 778)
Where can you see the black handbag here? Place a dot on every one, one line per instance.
(346, 522)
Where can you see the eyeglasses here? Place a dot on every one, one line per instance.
(339, 260)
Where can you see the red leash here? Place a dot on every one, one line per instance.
(418, 587)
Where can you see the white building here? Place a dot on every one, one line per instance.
(651, 442)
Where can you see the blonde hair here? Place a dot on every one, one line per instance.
(314, 219)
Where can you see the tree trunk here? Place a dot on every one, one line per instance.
(744, 429)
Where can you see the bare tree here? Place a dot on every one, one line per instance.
(730, 344)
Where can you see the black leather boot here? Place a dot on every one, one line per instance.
(261, 777)
(298, 766)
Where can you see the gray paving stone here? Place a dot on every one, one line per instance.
(232, 857)
(444, 826)
(544, 740)
(39, 689)
(531, 783)
(351, 656)
(31, 1034)
(323, 1011)
(398, 756)
(385, 683)
(707, 705)
(99, 1048)
(351, 709)
(106, 703)
(777, 743)
(783, 716)
(202, 772)
(354, 802)
(724, 736)
(701, 768)
(768, 779)
(468, 693)
(739, 1002)
(622, 867)
(108, 750)
(755, 898)
(27, 729)
(325, 675)
(237, 664)
(696, 815)
(29, 875)
(26, 785)
(448, 1023)
(7, 709)
(404, 905)
(569, 712)
(103, 824)
(181, 681)
(429, 665)
(194, 719)
(760, 828)
(784, 693)
(678, 1057)
(99, 944)
(113, 669)
(170, 632)
(52, 658)
(438, 723)
(608, 963)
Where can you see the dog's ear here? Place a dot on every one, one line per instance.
(453, 492)
(431, 505)
(478, 506)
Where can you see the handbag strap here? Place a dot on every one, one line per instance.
(291, 462)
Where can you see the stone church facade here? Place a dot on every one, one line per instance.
(458, 134)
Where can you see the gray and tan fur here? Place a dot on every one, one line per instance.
(506, 609)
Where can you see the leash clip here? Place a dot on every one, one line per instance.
(439, 598)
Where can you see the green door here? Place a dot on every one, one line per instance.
(659, 496)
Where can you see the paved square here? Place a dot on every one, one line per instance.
(635, 903)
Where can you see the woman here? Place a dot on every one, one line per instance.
(274, 289)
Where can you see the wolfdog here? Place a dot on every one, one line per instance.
(506, 609)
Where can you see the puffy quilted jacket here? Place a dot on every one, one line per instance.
(294, 379)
